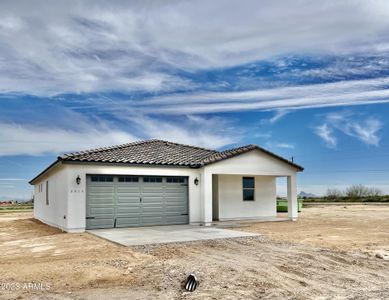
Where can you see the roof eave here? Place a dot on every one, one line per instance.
(255, 147)
(54, 164)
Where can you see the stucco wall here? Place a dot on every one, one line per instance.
(230, 197)
(52, 214)
(68, 200)
(253, 162)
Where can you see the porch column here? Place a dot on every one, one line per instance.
(292, 198)
(206, 203)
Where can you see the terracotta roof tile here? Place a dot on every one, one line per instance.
(152, 152)
(158, 152)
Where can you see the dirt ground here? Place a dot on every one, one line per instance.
(330, 252)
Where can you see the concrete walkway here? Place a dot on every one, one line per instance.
(165, 234)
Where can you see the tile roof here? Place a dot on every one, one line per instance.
(158, 152)
(150, 152)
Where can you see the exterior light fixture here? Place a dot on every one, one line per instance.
(196, 181)
(78, 179)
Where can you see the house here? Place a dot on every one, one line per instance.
(156, 182)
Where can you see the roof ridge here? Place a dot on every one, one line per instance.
(240, 147)
(102, 149)
(235, 149)
(186, 145)
(139, 142)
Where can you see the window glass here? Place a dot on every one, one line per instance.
(102, 178)
(175, 179)
(128, 179)
(248, 188)
(248, 195)
(152, 179)
(248, 182)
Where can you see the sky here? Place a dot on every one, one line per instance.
(304, 79)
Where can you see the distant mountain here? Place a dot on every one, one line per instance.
(303, 194)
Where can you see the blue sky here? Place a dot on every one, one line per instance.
(305, 80)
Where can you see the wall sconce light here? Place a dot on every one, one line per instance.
(78, 179)
(196, 181)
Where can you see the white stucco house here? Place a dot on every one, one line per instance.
(156, 182)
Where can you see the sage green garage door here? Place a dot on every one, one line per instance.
(125, 201)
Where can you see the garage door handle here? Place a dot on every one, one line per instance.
(184, 214)
(140, 199)
(90, 218)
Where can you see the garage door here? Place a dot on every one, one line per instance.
(125, 201)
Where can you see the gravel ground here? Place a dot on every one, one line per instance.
(280, 264)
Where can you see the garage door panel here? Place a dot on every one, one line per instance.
(127, 210)
(100, 223)
(152, 210)
(127, 189)
(101, 188)
(176, 219)
(146, 201)
(102, 201)
(102, 210)
(128, 201)
(175, 207)
(152, 196)
(152, 220)
(128, 221)
(136, 202)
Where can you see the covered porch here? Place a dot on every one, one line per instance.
(243, 187)
(237, 199)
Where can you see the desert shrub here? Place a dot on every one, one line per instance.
(357, 191)
(374, 192)
(334, 194)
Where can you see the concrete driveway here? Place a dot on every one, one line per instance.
(165, 234)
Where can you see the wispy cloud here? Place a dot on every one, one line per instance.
(365, 129)
(352, 92)
(285, 145)
(280, 145)
(134, 45)
(326, 133)
(278, 115)
(264, 135)
(19, 139)
(211, 132)
(27, 139)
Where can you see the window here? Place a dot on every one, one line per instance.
(175, 180)
(152, 179)
(102, 178)
(47, 192)
(248, 188)
(128, 179)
